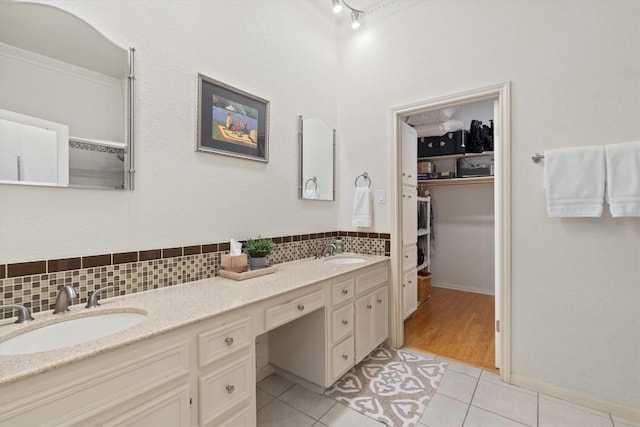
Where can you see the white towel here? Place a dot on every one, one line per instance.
(310, 194)
(361, 216)
(623, 178)
(575, 181)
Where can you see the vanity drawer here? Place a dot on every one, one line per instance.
(409, 258)
(341, 323)
(341, 358)
(371, 279)
(217, 343)
(342, 291)
(225, 389)
(293, 309)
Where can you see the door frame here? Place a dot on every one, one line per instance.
(502, 190)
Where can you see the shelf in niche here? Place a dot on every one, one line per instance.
(457, 156)
(422, 266)
(423, 199)
(458, 181)
(422, 232)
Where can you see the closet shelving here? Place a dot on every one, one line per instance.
(424, 234)
(456, 181)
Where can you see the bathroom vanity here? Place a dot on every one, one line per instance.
(192, 360)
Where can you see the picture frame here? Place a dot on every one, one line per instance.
(231, 121)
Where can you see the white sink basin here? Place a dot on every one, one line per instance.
(69, 332)
(345, 260)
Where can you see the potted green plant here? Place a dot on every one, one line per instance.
(258, 250)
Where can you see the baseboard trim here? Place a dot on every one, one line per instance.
(463, 288)
(264, 372)
(300, 381)
(624, 411)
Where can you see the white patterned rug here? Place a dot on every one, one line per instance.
(392, 386)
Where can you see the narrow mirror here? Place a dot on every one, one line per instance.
(317, 160)
(65, 101)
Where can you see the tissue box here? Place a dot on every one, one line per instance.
(237, 263)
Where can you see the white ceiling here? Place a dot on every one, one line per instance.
(372, 8)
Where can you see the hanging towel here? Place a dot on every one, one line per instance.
(575, 181)
(361, 216)
(310, 194)
(623, 178)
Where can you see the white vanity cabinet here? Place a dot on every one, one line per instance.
(136, 385)
(320, 347)
(204, 373)
(371, 311)
(195, 375)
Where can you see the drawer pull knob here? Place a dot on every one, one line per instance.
(228, 340)
(345, 291)
(300, 307)
(230, 388)
(379, 301)
(345, 322)
(345, 356)
(369, 306)
(406, 256)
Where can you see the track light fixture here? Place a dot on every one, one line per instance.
(337, 6)
(355, 13)
(355, 23)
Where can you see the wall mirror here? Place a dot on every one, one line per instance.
(66, 101)
(317, 146)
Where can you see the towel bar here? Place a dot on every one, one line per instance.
(537, 157)
(365, 175)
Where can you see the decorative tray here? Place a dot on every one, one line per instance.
(247, 274)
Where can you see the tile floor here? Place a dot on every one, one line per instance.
(467, 396)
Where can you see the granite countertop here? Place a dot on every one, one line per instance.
(167, 309)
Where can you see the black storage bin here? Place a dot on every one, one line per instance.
(449, 143)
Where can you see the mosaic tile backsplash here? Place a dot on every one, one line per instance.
(36, 284)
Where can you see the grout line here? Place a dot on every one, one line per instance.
(537, 409)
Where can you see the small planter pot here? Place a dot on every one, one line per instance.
(257, 263)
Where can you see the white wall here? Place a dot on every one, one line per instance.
(283, 51)
(574, 67)
(462, 255)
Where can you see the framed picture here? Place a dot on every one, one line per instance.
(231, 122)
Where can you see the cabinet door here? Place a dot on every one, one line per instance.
(409, 155)
(171, 408)
(409, 216)
(364, 326)
(381, 316)
(410, 292)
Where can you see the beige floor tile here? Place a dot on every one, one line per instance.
(313, 404)
(275, 385)
(262, 399)
(507, 401)
(558, 413)
(458, 386)
(480, 418)
(443, 411)
(279, 414)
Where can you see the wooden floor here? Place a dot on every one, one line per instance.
(455, 324)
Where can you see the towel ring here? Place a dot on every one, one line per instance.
(314, 180)
(366, 178)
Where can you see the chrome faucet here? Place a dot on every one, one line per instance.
(24, 315)
(65, 295)
(328, 249)
(92, 302)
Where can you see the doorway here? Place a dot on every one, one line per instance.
(502, 239)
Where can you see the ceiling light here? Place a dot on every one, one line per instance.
(355, 13)
(355, 23)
